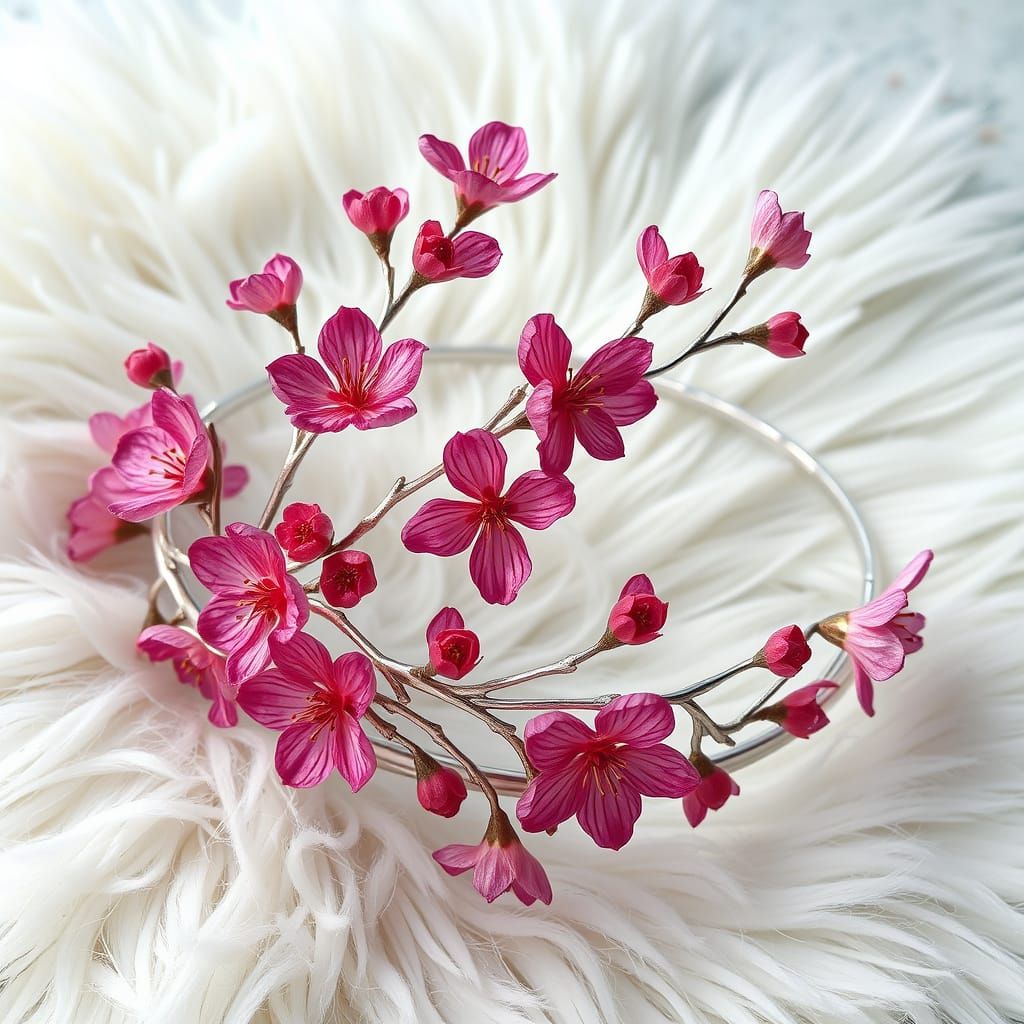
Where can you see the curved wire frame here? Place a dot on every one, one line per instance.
(509, 782)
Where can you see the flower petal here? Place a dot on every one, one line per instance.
(598, 434)
(660, 770)
(520, 188)
(639, 584)
(632, 405)
(865, 689)
(493, 873)
(303, 659)
(554, 738)
(608, 814)
(457, 857)
(352, 678)
(350, 346)
(353, 753)
(309, 395)
(878, 651)
(551, 798)
(273, 699)
(651, 250)
(536, 500)
(475, 254)
(304, 755)
(446, 618)
(474, 463)
(639, 719)
(442, 156)
(499, 564)
(442, 527)
(913, 572)
(618, 365)
(398, 372)
(498, 150)
(544, 350)
(881, 610)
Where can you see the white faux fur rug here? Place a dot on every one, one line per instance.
(153, 869)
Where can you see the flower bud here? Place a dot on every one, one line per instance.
(305, 532)
(777, 239)
(639, 614)
(273, 292)
(783, 335)
(799, 713)
(438, 789)
(714, 789)
(150, 367)
(377, 213)
(346, 578)
(437, 258)
(670, 282)
(785, 652)
(454, 650)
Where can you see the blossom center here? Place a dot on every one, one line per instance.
(322, 710)
(492, 507)
(482, 165)
(170, 464)
(265, 597)
(604, 766)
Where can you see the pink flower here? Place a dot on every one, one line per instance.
(195, 664)
(777, 239)
(500, 863)
(304, 532)
(499, 565)
(638, 614)
(346, 578)
(783, 335)
(93, 527)
(879, 636)
(785, 652)
(799, 713)
(370, 387)
(253, 600)
(671, 282)
(107, 428)
(149, 367)
(438, 789)
(377, 214)
(607, 392)
(165, 464)
(497, 153)
(599, 774)
(454, 650)
(273, 292)
(437, 258)
(715, 787)
(317, 704)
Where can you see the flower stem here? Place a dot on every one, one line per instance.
(301, 443)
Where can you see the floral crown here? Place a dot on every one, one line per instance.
(247, 646)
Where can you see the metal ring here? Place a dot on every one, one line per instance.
(511, 783)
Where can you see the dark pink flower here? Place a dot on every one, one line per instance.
(454, 650)
(785, 652)
(497, 153)
(499, 565)
(638, 614)
(879, 636)
(377, 213)
(437, 258)
(346, 578)
(317, 703)
(715, 787)
(599, 774)
(369, 388)
(273, 292)
(671, 282)
(607, 392)
(253, 600)
(438, 789)
(783, 335)
(799, 713)
(305, 532)
(500, 863)
(93, 527)
(777, 239)
(195, 664)
(149, 367)
(165, 464)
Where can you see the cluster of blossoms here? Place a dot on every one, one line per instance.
(249, 647)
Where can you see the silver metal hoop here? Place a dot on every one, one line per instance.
(508, 782)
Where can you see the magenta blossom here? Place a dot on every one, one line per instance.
(369, 388)
(785, 652)
(438, 789)
(638, 614)
(599, 774)
(195, 664)
(777, 239)
(799, 712)
(607, 392)
(346, 578)
(305, 532)
(377, 214)
(273, 292)
(500, 863)
(497, 153)
(879, 636)
(149, 367)
(670, 282)
(93, 527)
(437, 258)
(499, 565)
(454, 650)
(715, 787)
(317, 703)
(783, 335)
(253, 600)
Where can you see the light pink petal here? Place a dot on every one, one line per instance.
(446, 618)
(554, 738)
(353, 753)
(878, 651)
(865, 689)
(178, 416)
(544, 350)
(618, 365)
(302, 659)
(304, 755)
(458, 857)
(220, 563)
(274, 700)
(913, 572)
(477, 189)
(639, 584)
(398, 372)
(93, 528)
(442, 527)
(499, 564)
(442, 156)
(493, 874)
(350, 345)
(660, 771)
(609, 812)
(234, 480)
(308, 393)
(881, 610)
(243, 637)
(529, 881)
(353, 679)
(475, 254)
(766, 220)
(474, 463)
(223, 712)
(551, 798)
(651, 250)
(598, 434)
(631, 405)
(536, 500)
(196, 464)
(639, 719)
(498, 150)
(520, 188)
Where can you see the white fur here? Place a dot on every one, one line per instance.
(151, 866)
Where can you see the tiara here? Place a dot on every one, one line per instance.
(245, 642)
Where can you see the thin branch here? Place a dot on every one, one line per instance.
(301, 443)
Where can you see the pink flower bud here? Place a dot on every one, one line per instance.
(783, 335)
(305, 532)
(150, 367)
(672, 282)
(438, 258)
(377, 213)
(273, 292)
(714, 789)
(785, 652)
(346, 578)
(638, 614)
(454, 650)
(777, 239)
(438, 789)
(799, 713)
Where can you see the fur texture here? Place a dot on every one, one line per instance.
(152, 867)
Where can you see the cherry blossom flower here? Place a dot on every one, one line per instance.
(438, 789)
(377, 214)
(777, 239)
(369, 388)
(253, 600)
(437, 258)
(607, 392)
(346, 578)
(785, 652)
(93, 527)
(799, 712)
(317, 704)
(500, 863)
(149, 367)
(273, 292)
(305, 532)
(714, 789)
(454, 650)
(879, 636)
(783, 335)
(195, 664)
(638, 614)
(499, 565)
(599, 774)
(670, 282)
(497, 153)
